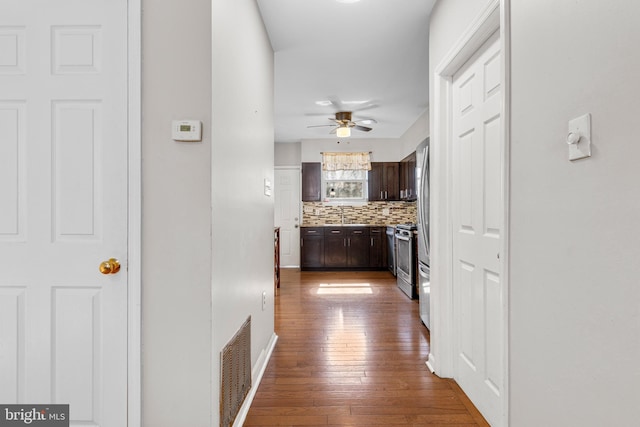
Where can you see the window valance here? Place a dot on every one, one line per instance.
(346, 161)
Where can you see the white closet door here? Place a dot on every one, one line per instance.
(63, 187)
(478, 225)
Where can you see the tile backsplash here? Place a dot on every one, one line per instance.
(373, 213)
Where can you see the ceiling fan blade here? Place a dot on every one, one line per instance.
(366, 121)
(319, 126)
(336, 102)
(362, 128)
(365, 107)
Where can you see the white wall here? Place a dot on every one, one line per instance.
(204, 211)
(287, 154)
(176, 243)
(575, 235)
(242, 157)
(416, 133)
(382, 150)
(574, 312)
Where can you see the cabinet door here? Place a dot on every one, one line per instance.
(358, 248)
(376, 181)
(391, 178)
(377, 248)
(403, 179)
(411, 176)
(311, 182)
(408, 177)
(311, 247)
(335, 251)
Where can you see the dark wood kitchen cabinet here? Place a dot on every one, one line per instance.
(384, 181)
(335, 247)
(311, 247)
(346, 247)
(377, 247)
(408, 178)
(343, 248)
(357, 247)
(311, 182)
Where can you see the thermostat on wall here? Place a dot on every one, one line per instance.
(186, 130)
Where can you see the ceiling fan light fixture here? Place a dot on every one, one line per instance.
(343, 132)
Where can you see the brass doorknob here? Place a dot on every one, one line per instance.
(111, 266)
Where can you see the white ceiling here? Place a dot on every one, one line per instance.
(369, 57)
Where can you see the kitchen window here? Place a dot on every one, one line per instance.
(344, 186)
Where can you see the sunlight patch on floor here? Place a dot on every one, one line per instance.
(344, 289)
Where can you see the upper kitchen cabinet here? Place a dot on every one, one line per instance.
(383, 181)
(311, 182)
(408, 178)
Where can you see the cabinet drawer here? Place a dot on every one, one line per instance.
(311, 231)
(358, 231)
(334, 231)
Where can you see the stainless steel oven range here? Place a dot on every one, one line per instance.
(406, 276)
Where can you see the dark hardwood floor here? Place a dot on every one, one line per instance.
(352, 352)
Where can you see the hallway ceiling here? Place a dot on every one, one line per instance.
(369, 57)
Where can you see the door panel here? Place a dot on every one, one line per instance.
(478, 223)
(12, 169)
(391, 180)
(335, 251)
(63, 185)
(311, 182)
(287, 215)
(358, 248)
(312, 253)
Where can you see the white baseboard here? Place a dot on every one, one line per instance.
(256, 373)
(431, 363)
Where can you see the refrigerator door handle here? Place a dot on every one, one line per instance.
(424, 272)
(424, 183)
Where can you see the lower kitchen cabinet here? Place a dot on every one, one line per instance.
(335, 247)
(311, 247)
(343, 248)
(377, 247)
(358, 248)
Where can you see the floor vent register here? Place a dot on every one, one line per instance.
(236, 374)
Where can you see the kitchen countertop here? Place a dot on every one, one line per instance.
(347, 225)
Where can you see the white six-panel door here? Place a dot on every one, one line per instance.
(478, 225)
(287, 215)
(63, 206)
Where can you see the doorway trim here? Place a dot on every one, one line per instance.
(494, 17)
(134, 244)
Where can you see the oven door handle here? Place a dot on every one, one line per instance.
(405, 238)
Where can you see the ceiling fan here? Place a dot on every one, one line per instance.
(343, 124)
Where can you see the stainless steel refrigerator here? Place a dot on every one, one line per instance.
(422, 185)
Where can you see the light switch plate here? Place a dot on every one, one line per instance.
(580, 126)
(267, 187)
